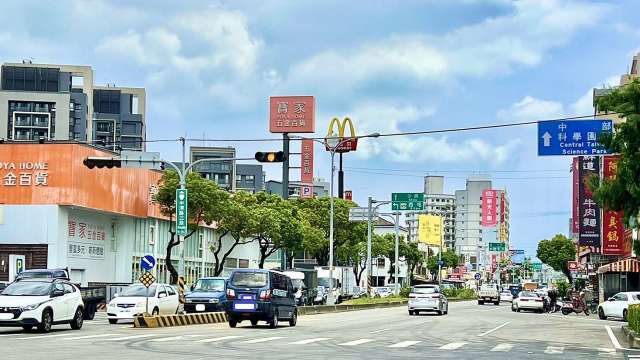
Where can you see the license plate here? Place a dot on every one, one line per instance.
(200, 307)
(125, 310)
(6, 316)
(244, 306)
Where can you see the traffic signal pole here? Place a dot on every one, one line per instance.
(285, 186)
(340, 180)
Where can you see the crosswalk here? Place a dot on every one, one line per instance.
(210, 339)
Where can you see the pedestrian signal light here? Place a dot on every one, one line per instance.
(102, 162)
(271, 156)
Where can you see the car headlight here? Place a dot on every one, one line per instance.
(32, 306)
(188, 301)
(214, 301)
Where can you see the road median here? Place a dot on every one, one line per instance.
(179, 320)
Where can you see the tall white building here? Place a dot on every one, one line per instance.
(436, 202)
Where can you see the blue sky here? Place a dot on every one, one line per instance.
(210, 66)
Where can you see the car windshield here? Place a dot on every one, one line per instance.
(423, 290)
(27, 288)
(138, 290)
(249, 279)
(209, 285)
(506, 293)
(35, 275)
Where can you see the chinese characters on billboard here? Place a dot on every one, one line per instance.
(86, 239)
(489, 208)
(575, 217)
(613, 241)
(589, 212)
(430, 229)
(20, 174)
(306, 166)
(292, 114)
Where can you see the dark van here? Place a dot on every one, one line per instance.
(260, 295)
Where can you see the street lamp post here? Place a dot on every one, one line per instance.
(333, 142)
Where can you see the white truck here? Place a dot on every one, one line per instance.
(344, 281)
(489, 293)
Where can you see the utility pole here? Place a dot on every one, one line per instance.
(181, 264)
(397, 288)
(369, 235)
(340, 180)
(285, 188)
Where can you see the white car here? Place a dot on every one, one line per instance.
(527, 300)
(618, 305)
(427, 298)
(131, 302)
(506, 296)
(41, 303)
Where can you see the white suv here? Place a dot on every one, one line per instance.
(42, 303)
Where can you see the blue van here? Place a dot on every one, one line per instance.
(207, 295)
(260, 295)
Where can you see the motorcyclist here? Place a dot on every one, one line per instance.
(553, 299)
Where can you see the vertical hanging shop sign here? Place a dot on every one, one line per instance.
(589, 211)
(613, 239)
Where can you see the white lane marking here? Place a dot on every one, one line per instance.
(356, 342)
(612, 336)
(403, 344)
(453, 345)
(132, 337)
(170, 338)
(222, 338)
(194, 336)
(494, 329)
(503, 347)
(379, 331)
(554, 350)
(88, 337)
(43, 336)
(256, 341)
(12, 334)
(308, 341)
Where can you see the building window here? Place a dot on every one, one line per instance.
(243, 263)
(250, 178)
(238, 177)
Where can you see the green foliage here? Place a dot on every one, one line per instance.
(404, 292)
(450, 258)
(374, 300)
(464, 294)
(563, 287)
(556, 252)
(622, 192)
(633, 317)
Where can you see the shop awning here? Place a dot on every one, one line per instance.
(626, 265)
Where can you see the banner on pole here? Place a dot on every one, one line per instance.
(430, 229)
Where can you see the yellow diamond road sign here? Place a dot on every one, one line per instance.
(147, 279)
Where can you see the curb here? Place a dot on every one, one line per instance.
(325, 309)
(179, 320)
(632, 337)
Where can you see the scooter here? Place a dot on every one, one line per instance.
(576, 305)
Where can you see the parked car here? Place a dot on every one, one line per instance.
(207, 294)
(618, 305)
(3, 284)
(41, 303)
(132, 301)
(506, 296)
(260, 295)
(527, 300)
(427, 298)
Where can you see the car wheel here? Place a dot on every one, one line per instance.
(624, 315)
(78, 319)
(254, 322)
(294, 318)
(90, 312)
(27, 328)
(446, 311)
(480, 302)
(438, 312)
(274, 321)
(155, 312)
(601, 314)
(232, 322)
(518, 309)
(410, 312)
(47, 321)
(113, 321)
(497, 303)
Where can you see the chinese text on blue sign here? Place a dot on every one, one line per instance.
(572, 137)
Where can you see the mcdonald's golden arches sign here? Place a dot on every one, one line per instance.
(351, 143)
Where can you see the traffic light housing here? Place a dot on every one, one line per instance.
(270, 157)
(102, 162)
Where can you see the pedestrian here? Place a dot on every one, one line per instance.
(553, 298)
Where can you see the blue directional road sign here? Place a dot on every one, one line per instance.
(572, 137)
(440, 263)
(147, 262)
(478, 276)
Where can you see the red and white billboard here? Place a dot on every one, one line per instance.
(489, 207)
(348, 195)
(613, 236)
(573, 266)
(292, 114)
(306, 191)
(306, 163)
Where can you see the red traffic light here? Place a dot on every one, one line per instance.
(271, 157)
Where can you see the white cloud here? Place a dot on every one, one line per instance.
(391, 118)
(492, 47)
(584, 105)
(530, 108)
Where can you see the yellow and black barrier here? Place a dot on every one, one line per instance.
(179, 320)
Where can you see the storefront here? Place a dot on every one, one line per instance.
(619, 276)
(97, 222)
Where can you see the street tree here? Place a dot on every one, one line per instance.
(354, 250)
(449, 258)
(556, 253)
(622, 193)
(234, 219)
(203, 202)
